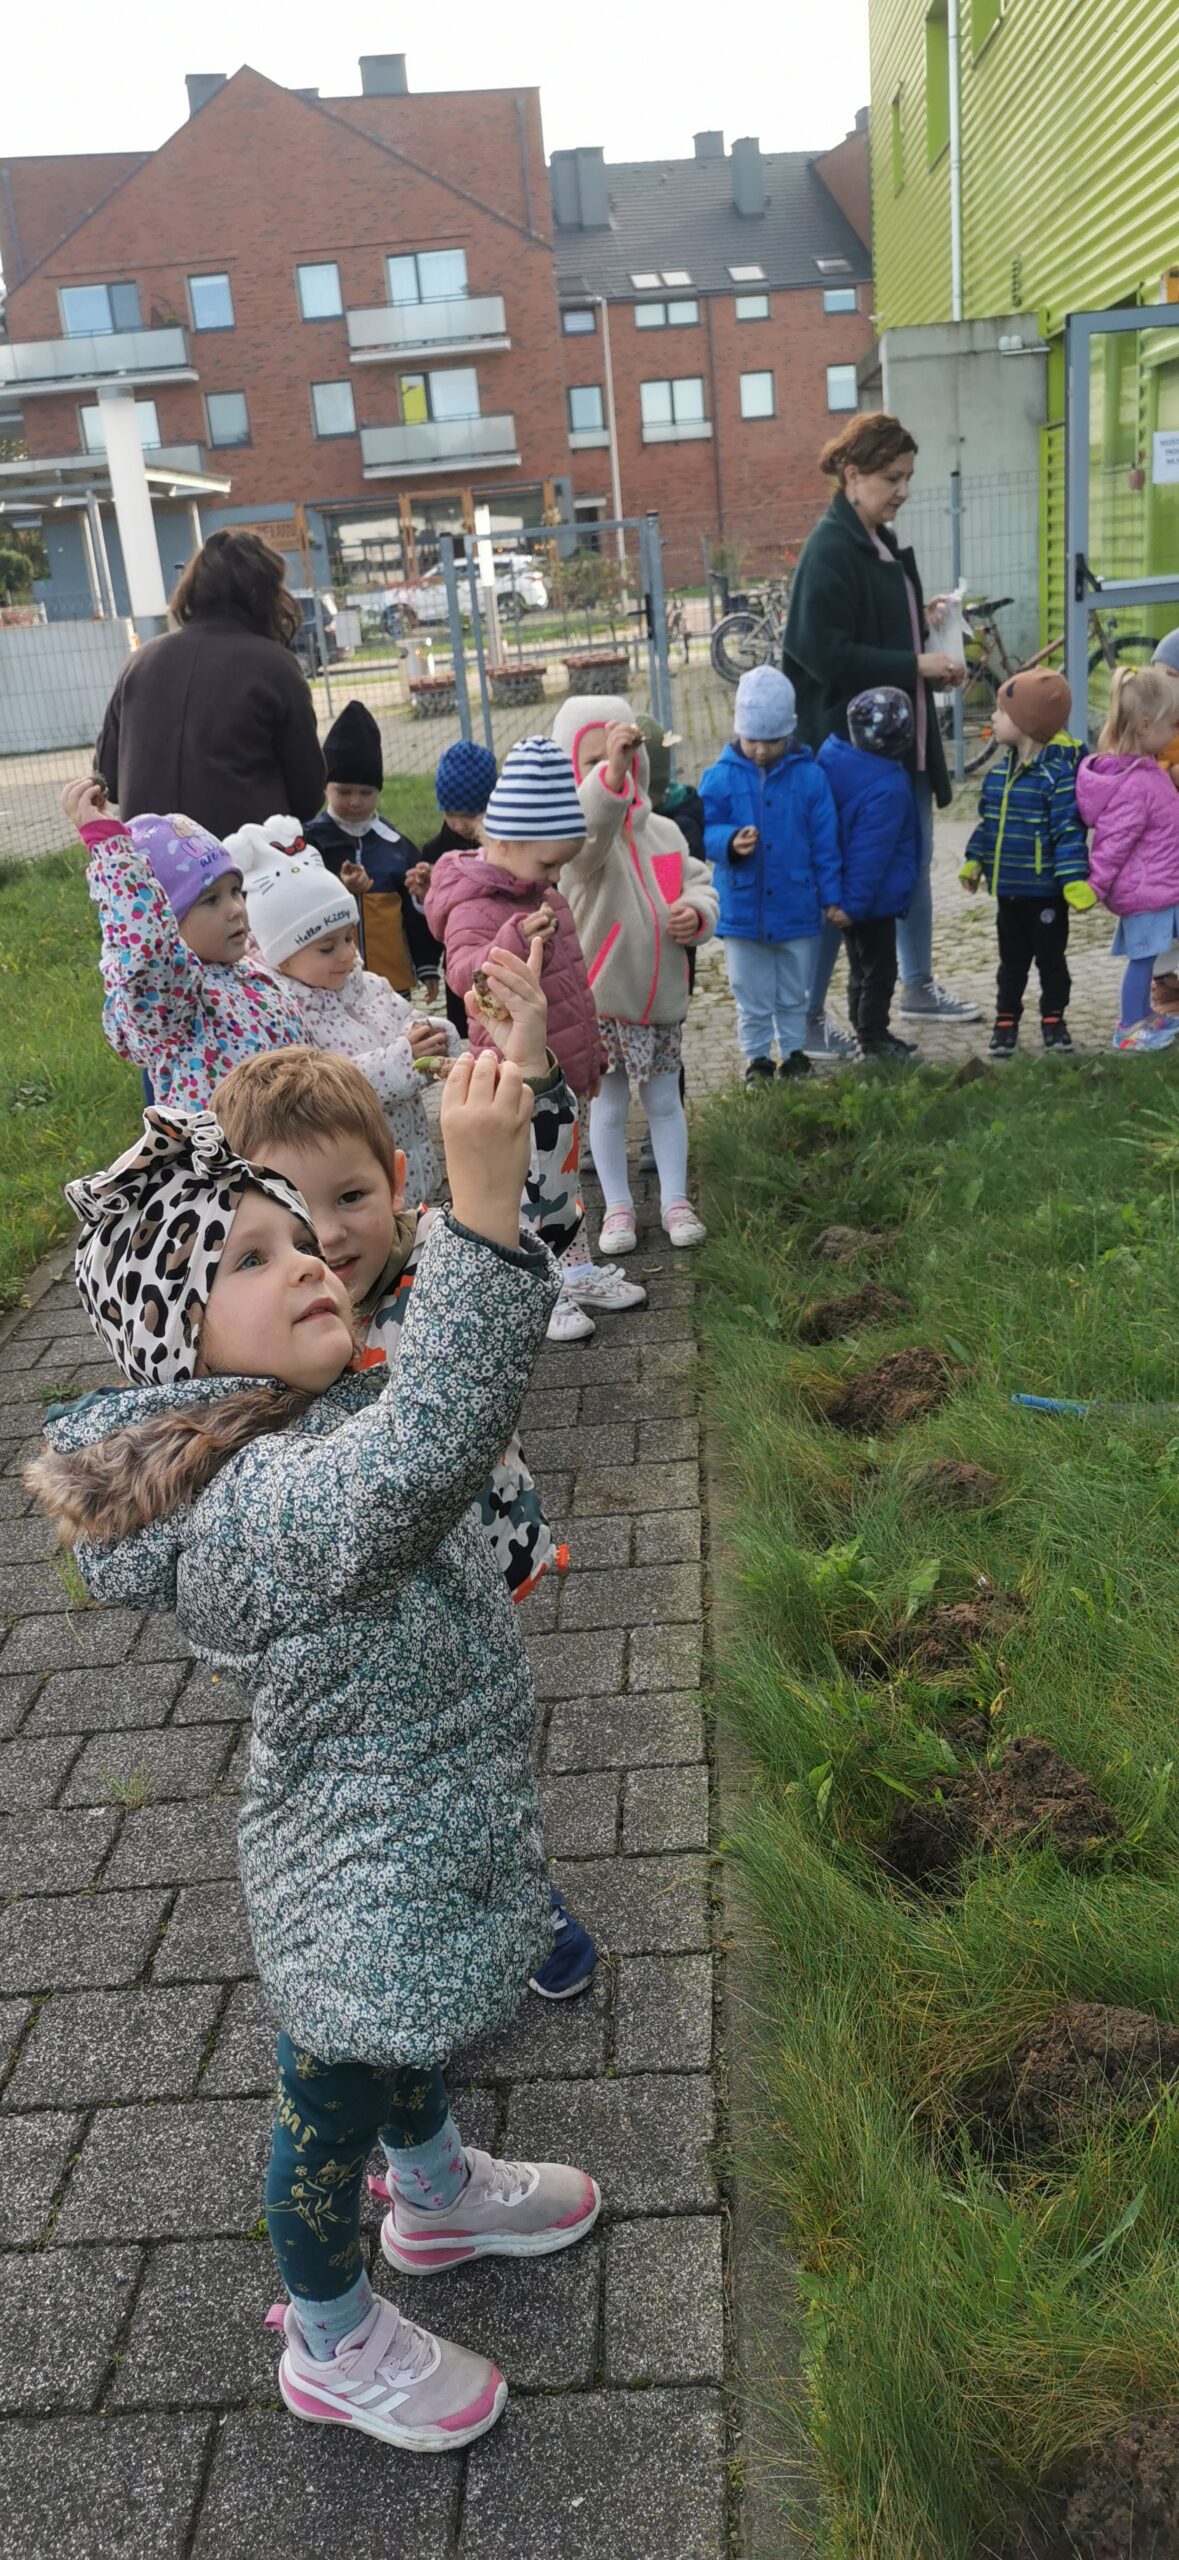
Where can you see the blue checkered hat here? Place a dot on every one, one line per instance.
(465, 778)
(535, 799)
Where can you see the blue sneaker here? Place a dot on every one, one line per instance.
(570, 1968)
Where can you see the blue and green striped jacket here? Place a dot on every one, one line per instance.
(1029, 837)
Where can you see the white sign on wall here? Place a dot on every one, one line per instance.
(1165, 459)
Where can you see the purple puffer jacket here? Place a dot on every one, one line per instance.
(1133, 809)
(472, 905)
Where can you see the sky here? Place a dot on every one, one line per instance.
(81, 79)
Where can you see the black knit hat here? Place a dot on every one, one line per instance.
(352, 748)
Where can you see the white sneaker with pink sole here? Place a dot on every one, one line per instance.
(508, 2209)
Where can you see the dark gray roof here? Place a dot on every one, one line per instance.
(680, 214)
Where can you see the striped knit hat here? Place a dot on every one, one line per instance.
(465, 778)
(535, 800)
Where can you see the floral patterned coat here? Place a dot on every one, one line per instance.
(368, 1022)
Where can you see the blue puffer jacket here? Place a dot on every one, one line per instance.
(878, 838)
(778, 893)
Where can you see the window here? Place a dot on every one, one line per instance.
(645, 282)
(94, 310)
(747, 275)
(757, 395)
(429, 275)
(585, 408)
(228, 416)
(333, 408)
(841, 386)
(666, 315)
(751, 306)
(93, 433)
(840, 297)
(984, 18)
(676, 275)
(937, 81)
(579, 324)
(896, 142)
(210, 302)
(319, 291)
(833, 266)
(434, 397)
(668, 405)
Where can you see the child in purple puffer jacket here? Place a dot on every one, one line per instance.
(1132, 806)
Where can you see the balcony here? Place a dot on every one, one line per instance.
(44, 365)
(446, 444)
(470, 324)
(677, 431)
(585, 439)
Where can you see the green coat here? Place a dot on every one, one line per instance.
(849, 627)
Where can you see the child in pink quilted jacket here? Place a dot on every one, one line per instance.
(1132, 806)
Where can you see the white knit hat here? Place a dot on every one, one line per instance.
(535, 800)
(292, 899)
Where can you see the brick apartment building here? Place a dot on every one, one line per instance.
(348, 321)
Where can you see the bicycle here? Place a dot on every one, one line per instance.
(676, 625)
(989, 664)
(752, 636)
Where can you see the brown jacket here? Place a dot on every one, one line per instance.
(216, 722)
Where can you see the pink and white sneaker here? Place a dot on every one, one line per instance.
(388, 2378)
(508, 2209)
(618, 1232)
(681, 1224)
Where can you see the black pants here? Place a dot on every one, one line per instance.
(871, 975)
(1033, 929)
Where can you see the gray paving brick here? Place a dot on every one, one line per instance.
(663, 2013)
(647, 2140)
(209, 1697)
(27, 1540)
(61, 2315)
(612, 1362)
(611, 1733)
(23, 1418)
(242, 2061)
(77, 1942)
(665, 2301)
(160, 1639)
(612, 1446)
(88, 2047)
(668, 1537)
(66, 1643)
(581, 1816)
(32, 1772)
(168, 1765)
(677, 1441)
(207, 1939)
(668, 1360)
(639, 1489)
(104, 2488)
(664, 1658)
(169, 2172)
(36, 2152)
(537, 2319)
(16, 1696)
(54, 1852)
(197, 2336)
(101, 1701)
(15, 1502)
(665, 1809)
(575, 1666)
(193, 1843)
(654, 1399)
(557, 1411)
(640, 1906)
(547, 2039)
(277, 2486)
(235, 1775)
(541, 1605)
(644, 1595)
(25, 1588)
(600, 1542)
(14, 2018)
(599, 2476)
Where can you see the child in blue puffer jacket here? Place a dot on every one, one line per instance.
(880, 850)
(770, 832)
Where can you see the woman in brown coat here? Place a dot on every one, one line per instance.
(216, 718)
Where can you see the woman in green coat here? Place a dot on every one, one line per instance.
(857, 619)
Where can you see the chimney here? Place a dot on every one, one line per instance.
(382, 75)
(861, 123)
(709, 146)
(749, 194)
(308, 95)
(578, 181)
(201, 86)
(563, 183)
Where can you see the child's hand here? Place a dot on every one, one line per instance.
(426, 1039)
(622, 738)
(418, 878)
(1080, 896)
(523, 1037)
(744, 843)
(355, 877)
(683, 922)
(837, 915)
(541, 926)
(83, 802)
(486, 1124)
(970, 876)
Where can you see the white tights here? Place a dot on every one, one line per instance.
(660, 1098)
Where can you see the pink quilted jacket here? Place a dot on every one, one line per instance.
(471, 906)
(1133, 809)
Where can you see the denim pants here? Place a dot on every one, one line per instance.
(769, 982)
(914, 931)
(327, 2117)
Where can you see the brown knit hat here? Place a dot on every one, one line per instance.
(1039, 702)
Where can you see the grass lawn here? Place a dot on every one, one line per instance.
(408, 802)
(977, 2313)
(67, 1104)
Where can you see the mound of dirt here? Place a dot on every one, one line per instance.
(1031, 1795)
(1083, 2065)
(941, 1641)
(842, 1244)
(971, 1071)
(959, 1481)
(830, 1318)
(1119, 2501)
(969, 1734)
(895, 1390)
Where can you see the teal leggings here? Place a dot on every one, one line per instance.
(327, 2117)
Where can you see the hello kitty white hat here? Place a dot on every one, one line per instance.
(292, 899)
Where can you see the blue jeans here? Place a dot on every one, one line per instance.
(914, 931)
(769, 982)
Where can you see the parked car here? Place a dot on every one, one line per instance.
(519, 589)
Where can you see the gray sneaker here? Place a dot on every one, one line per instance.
(928, 996)
(828, 1039)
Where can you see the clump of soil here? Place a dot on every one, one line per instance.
(969, 1734)
(830, 1318)
(842, 1244)
(1084, 2064)
(1118, 2501)
(895, 1390)
(971, 1071)
(958, 1481)
(1031, 1795)
(941, 1641)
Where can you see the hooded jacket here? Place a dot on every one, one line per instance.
(778, 892)
(879, 848)
(1133, 809)
(389, 1837)
(634, 866)
(471, 905)
(1029, 838)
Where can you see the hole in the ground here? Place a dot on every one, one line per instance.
(1031, 1795)
(830, 1318)
(958, 1481)
(844, 1244)
(895, 1390)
